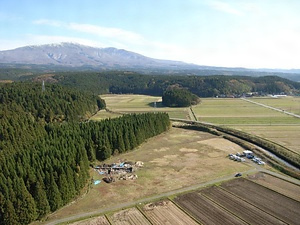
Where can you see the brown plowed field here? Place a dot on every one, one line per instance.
(270, 201)
(100, 220)
(165, 212)
(130, 216)
(205, 211)
(277, 184)
(242, 209)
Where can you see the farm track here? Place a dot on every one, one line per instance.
(205, 211)
(242, 209)
(164, 195)
(145, 200)
(278, 205)
(100, 220)
(273, 108)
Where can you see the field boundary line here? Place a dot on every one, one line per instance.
(263, 210)
(295, 182)
(271, 190)
(223, 207)
(273, 108)
(185, 211)
(142, 212)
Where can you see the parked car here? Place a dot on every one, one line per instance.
(238, 175)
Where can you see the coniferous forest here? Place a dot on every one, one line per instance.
(203, 86)
(179, 97)
(46, 146)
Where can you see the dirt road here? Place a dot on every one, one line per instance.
(166, 194)
(270, 107)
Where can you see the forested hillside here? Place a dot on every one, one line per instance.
(179, 97)
(54, 104)
(44, 164)
(203, 86)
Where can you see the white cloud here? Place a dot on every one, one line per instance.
(105, 31)
(225, 7)
(53, 23)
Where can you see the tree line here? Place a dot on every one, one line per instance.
(179, 97)
(44, 164)
(203, 86)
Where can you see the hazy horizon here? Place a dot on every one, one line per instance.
(246, 33)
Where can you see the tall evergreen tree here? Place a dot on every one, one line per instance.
(40, 197)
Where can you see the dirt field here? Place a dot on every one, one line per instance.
(205, 211)
(165, 212)
(127, 103)
(277, 184)
(173, 160)
(239, 207)
(278, 205)
(130, 216)
(100, 220)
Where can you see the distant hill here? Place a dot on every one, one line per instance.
(76, 57)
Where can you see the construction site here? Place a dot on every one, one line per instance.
(123, 170)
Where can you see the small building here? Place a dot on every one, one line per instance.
(248, 153)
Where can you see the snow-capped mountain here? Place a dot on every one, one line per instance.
(76, 55)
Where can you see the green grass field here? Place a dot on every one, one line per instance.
(236, 113)
(123, 104)
(290, 104)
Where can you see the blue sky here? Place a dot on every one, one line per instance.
(232, 33)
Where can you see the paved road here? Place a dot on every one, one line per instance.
(273, 108)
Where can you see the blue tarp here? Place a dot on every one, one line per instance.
(97, 182)
(122, 164)
(101, 173)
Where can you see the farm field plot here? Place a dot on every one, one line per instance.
(288, 136)
(100, 220)
(165, 212)
(140, 104)
(176, 159)
(205, 211)
(236, 111)
(284, 187)
(290, 104)
(103, 114)
(130, 216)
(276, 204)
(239, 207)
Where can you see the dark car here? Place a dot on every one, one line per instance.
(238, 175)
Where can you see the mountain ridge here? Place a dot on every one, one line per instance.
(76, 55)
(68, 56)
